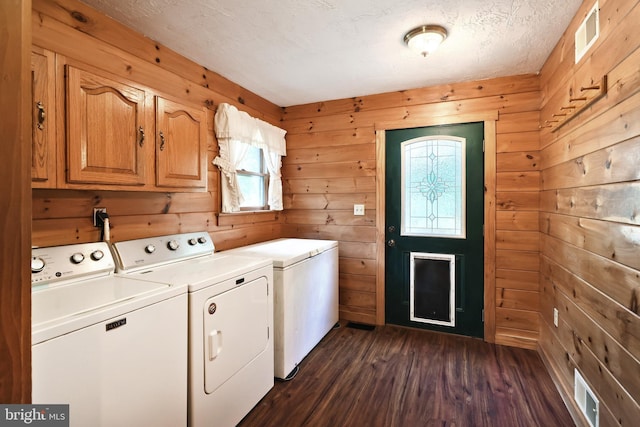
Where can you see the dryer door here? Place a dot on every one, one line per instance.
(235, 331)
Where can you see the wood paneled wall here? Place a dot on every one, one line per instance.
(76, 31)
(15, 202)
(589, 222)
(331, 164)
(571, 244)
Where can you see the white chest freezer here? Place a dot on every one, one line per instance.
(305, 276)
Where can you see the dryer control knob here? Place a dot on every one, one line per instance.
(192, 242)
(173, 245)
(37, 264)
(97, 255)
(149, 249)
(202, 240)
(77, 258)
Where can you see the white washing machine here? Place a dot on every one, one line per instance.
(230, 320)
(306, 294)
(113, 348)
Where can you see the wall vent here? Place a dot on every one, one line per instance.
(588, 32)
(586, 400)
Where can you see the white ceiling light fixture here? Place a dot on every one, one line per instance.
(425, 39)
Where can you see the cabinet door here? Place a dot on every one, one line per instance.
(105, 134)
(181, 145)
(43, 153)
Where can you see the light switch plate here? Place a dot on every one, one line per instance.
(358, 209)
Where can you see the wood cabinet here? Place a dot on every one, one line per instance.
(118, 133)
(43, 134)
(181, 145)
(105, 130)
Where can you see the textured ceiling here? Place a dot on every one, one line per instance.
(300, 51)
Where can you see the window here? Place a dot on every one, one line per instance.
(250, 159)
(253, 180)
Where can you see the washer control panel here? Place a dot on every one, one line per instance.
(132, 255)
(58, 263)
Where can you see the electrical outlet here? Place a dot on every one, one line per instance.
(555, 317)
(95, 211)
(358, 209)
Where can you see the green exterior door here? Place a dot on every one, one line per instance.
(434, 228)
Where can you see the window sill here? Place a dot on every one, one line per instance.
(247, 217)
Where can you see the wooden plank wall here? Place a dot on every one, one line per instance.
(589, 222)
(331, 164)
(75, 30)
(15, 150)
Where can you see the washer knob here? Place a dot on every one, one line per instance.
(77, 258)
(149, 249)
(192, 242)
(37, 264)
(202, 240)
(97, 255)
(173, 245)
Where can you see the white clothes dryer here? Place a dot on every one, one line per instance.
(230, 320)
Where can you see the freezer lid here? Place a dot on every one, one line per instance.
(286, 252)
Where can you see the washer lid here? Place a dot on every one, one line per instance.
(286, 252)
(60, 309)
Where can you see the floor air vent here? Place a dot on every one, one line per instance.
(586, 400)
(354, 325)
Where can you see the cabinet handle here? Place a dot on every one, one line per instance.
(161, 141)
(141, 136)
(41, 115)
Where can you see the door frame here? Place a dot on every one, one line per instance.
(489, 119)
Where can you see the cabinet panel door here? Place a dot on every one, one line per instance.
(105, 134)
(43, 153)
(181, 145)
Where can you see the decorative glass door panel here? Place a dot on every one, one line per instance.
(433, 187)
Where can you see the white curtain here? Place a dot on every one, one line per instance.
(274, 163)
(236, 131)
(232, 152)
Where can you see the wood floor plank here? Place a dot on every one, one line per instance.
(398, 377)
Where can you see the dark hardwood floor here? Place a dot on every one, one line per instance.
(395, 376)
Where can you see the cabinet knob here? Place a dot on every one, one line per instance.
(161, 141)
(141, 136)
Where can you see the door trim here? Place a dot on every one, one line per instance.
(489, 119)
